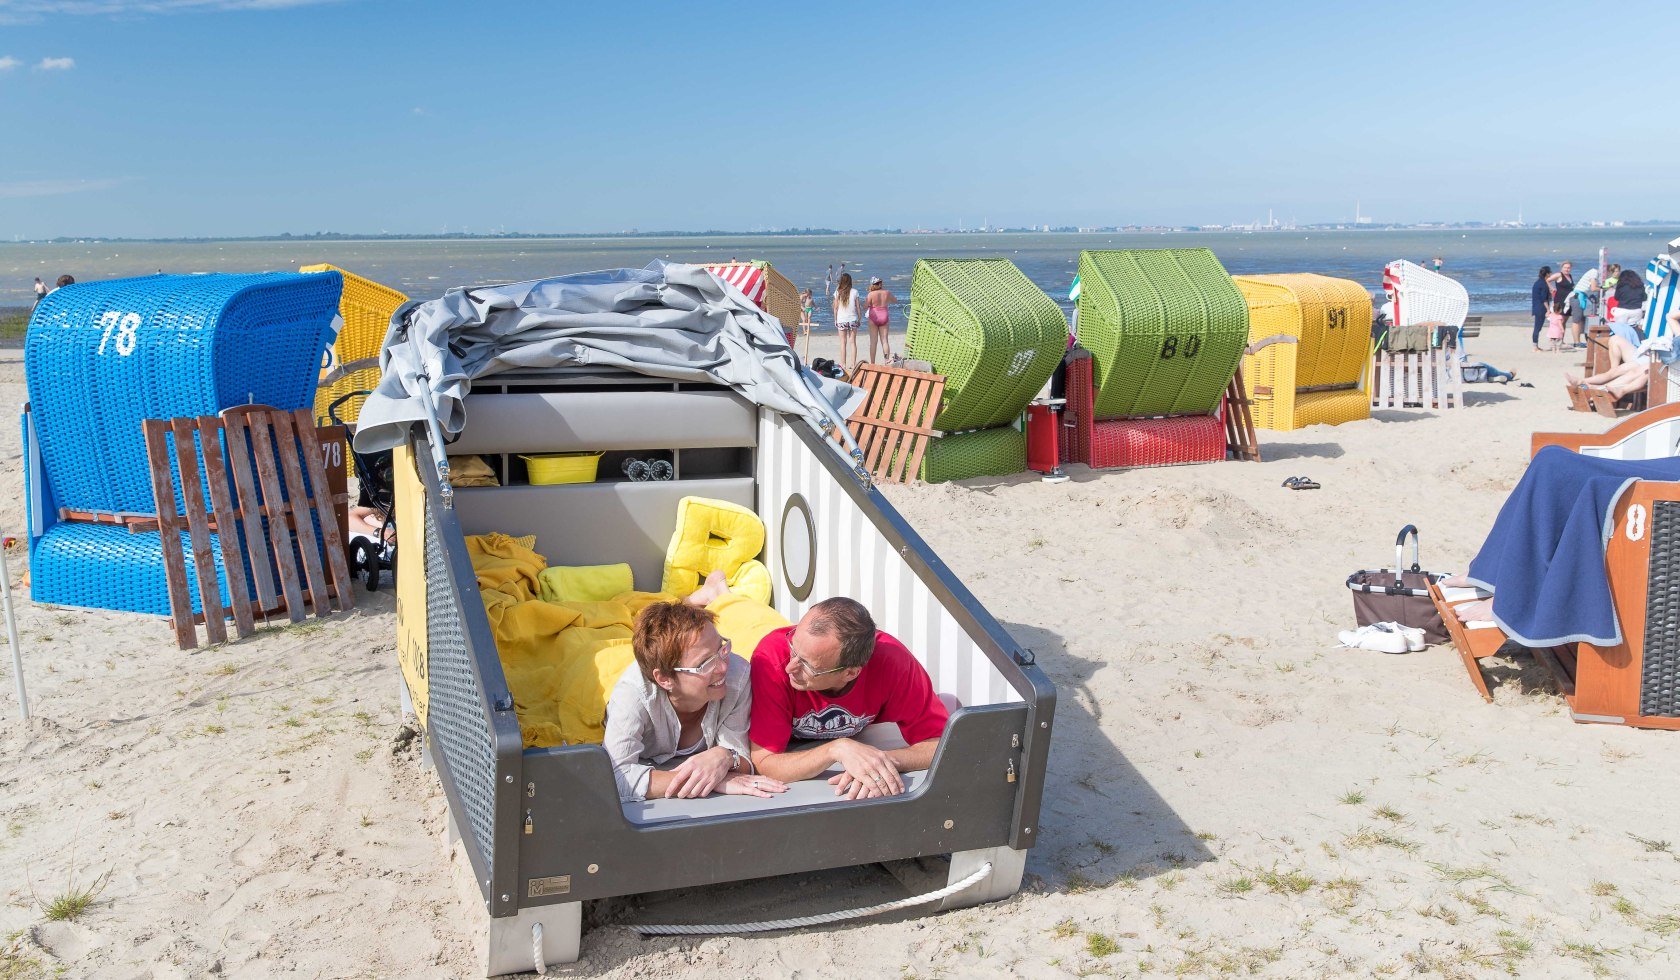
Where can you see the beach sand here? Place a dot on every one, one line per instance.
(1230, 792)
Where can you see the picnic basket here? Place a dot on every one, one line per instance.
(1398, 594)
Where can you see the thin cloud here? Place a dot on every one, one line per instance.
(56, 187)
(8, 62)
(35, 11)
(56, 64)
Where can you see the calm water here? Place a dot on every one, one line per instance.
(1495, 265)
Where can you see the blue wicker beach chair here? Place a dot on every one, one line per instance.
(104, 356)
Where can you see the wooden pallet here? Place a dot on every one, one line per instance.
(270, 453)
(893, 425)
(1240, 439)
(1416, 379)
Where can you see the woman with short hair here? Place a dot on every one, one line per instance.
(677, 719)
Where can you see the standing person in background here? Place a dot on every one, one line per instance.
(828, 282)
(1563, 283)
(1539, 300)
(807, 314)
(1607, 293)
(40, 290)
(1437, 263)
(879, 301)
(846, 307)
(63, 281)
(1580, 304)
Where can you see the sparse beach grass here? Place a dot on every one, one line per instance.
(1374, 817)
(14, 323)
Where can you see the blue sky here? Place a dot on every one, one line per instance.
(238, 117)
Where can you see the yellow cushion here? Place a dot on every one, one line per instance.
(585, 583)
(715, 536)
(752, 580)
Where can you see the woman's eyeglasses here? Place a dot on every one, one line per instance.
(710, 664)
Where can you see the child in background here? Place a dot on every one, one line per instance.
(807, 311)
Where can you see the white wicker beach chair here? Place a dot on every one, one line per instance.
(1421, 296)
(1662, 288)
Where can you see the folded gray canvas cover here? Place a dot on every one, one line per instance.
(669, 320)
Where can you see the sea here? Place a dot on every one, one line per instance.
(1496, 265)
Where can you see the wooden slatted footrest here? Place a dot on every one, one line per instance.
(893, 425)
(254, 465)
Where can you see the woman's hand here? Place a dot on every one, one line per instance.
(699, 775)
(745, 785)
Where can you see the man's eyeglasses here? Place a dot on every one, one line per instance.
(805, 665)
(710, 664)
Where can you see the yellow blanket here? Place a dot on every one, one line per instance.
(561, 659)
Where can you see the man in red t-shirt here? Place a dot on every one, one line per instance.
(826, 679)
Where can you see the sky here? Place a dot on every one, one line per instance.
(186, 118)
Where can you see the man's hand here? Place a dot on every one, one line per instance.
(699, 775)
(870, 772)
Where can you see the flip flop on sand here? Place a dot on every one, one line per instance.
(1300, 483)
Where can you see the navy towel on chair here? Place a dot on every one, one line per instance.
(1544, 558)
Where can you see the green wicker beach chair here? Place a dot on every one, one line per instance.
(1165, 327)
(994, 335)
(999, 451)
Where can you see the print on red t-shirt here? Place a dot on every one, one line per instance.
(893, 687)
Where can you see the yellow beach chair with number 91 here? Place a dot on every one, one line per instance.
(1309, 342)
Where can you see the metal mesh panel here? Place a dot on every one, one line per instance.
(1659, 689)
(455, 722)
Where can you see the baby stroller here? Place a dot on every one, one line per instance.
(369, 555)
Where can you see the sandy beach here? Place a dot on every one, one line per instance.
(1231, 792)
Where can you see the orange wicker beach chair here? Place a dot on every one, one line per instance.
(1636, 682)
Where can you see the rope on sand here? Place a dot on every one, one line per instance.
(536, 949)
(815, 920)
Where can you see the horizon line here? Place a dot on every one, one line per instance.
(1365, 225)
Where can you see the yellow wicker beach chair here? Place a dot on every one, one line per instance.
(1309, 342)
(366, 307)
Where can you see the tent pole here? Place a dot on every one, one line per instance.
(12, 638)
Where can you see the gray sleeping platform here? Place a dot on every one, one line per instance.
(543, 829)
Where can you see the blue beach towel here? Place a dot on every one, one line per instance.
(1544, 558)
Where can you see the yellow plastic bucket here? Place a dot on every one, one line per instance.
(547, 468)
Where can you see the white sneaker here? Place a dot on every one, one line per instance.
(1381, 637)
(1413, 635)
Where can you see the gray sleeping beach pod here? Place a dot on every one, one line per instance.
(543, 830)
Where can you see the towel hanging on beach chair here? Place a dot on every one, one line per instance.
(1543, 560)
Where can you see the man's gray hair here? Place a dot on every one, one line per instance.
(847, 621)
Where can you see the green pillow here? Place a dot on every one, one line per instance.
(585, 583)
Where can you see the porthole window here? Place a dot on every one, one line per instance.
(798, 547)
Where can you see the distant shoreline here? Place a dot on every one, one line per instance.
(834, 233)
